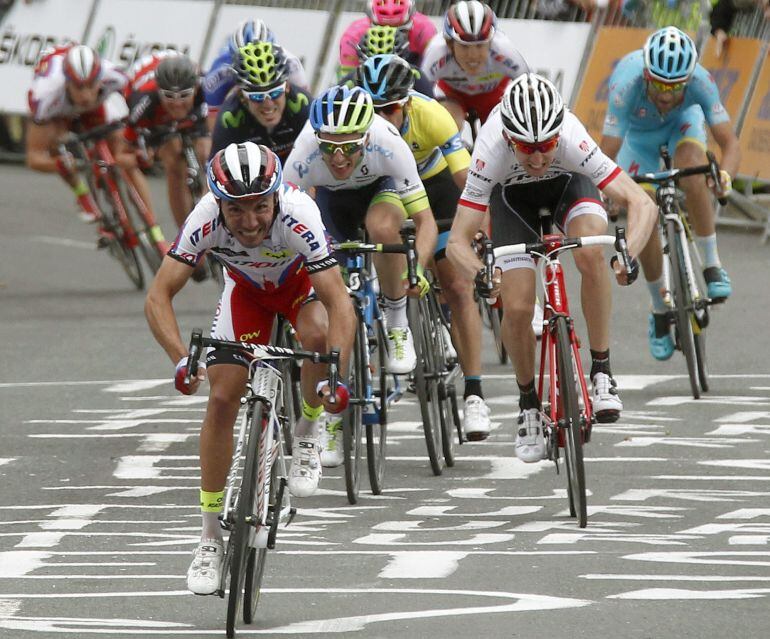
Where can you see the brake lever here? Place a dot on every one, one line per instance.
(715, 176)
(194, 356)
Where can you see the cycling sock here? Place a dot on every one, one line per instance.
(528, 396)
(211, 506)
(211, 526)
(707, 245)
(600, 362)
(81, 188)
(658, 305)
(395, 312)
(473, 386)
(306, 428)
(311, 413)
(211, 502)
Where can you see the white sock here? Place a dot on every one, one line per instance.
(395, 312)
(211, 527)
(707, 245)
(658, 306)
(306, 429)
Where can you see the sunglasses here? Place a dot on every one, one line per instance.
(348, 148)
(666, 87)
(529, 149)
(261, 96)
(176, 95)
(391, 107)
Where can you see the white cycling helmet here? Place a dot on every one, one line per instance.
(82, 65)
(532, 109)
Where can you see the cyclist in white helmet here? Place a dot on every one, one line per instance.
(531, 154)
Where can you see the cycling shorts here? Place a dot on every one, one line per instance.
(245, 313)
(640, 152)
(481, 103)
(344, 211)
(443, 194)
(515, 211)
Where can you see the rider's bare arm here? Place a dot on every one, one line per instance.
(40, 137)
(642, 212)
(610, 146)
(426, 235)
(725, 136)
(466, 223)
(460, 177)
(159, 310)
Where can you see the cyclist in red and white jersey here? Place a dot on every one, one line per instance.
(165, 89)
(471, 62)
(533, 153)
(387, 13)
(74, 90)
(270, 239)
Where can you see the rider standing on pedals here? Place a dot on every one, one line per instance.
(365, 175)
(532, 154)
(661, 95)
(417, 28)
(73, 91)
(220, 78)
(270, 238)
(442, 161)
(472, 62)
(266, 107)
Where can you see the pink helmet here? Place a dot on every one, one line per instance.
(391, 13)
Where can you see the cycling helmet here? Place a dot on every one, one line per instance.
(387, 78)
(342, 110)
(82, 65)
(469, 21)
(260, 65)
(243, 170)
(378, 40)
(670, 55)
(249, 31)
(532, 109)
(176, 73)
(393, 13)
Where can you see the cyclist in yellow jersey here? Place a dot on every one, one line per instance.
(443, 162)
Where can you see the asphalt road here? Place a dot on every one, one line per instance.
(99, 464)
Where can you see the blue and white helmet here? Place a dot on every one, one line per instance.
(249, 31)
(342, 110)
(670, 55)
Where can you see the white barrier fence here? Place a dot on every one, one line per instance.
(124, 30)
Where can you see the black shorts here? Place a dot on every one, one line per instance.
(343, 212)
(443, 195)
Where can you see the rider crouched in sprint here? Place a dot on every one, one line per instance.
(271, 240)
(531, 154)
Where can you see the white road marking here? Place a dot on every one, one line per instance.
(724, 400)
(746, 513)
(695, 442)
(669, 594)
(6, 460)
(448, 511)
(398, 539)
(754, 464)
(417, 526)
(710, 558)
(63, 241)
(698, 578)
(694, 494)
(433, 564)
(134, 386)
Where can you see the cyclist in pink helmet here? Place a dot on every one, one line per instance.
(392, 13)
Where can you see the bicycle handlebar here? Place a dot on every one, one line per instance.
(674, 175)
(101, 131)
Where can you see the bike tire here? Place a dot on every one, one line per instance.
(570, 422)
(700, 357)
(447, 422)
(352, 419)
(495, 316)
(684, 315)
(152, 252)
(426, 380)
(377, 433)
(243, 531)
(291, 404)
(118, 247)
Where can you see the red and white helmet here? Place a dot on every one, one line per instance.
(390, 13)
(469, 22)
(82, 66)
(244, 170)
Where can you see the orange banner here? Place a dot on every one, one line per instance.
(732, 72)
(611, 45)
(755, 134)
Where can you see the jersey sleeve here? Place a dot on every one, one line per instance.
(487, 165)
(421, 33)
(196, 233)
(446, 137)
(507, 56)
(295, 70)
(704, 92)
(306, 234)
(349, 40)
(435, 53)
(583, 155)
(406, 178)
(621, 97)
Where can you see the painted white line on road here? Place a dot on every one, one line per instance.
(705, 578)
(713, 477)
(746, 513)
(710, 558)
(416, 526)
(6, 460)
(693, 494)
(134, 386)
(448, 511)
(724, 400)
(754, 464)
(73, 383)
(697, 442)
(741, 429)
(63, 241)
(39, 539)
(434, 564)
(397, 539)
(669, 594)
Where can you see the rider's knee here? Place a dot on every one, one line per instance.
(386, 224)
(224, 397)
(518, 315)
(589, 261)
(457, 290)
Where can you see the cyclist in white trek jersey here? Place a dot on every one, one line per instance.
(533, 153)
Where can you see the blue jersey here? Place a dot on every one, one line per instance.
(630, 111)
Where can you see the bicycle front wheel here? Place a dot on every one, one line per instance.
(684, 315)
(377, 432)
(242, 533)
(116, 222)
(570, 422)
(352, 420)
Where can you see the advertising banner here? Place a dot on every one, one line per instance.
(124, 30)
(28, 29)
(755, 134)
(732, 72)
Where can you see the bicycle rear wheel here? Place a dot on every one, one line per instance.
(352, 419)
(425, 378)
(684, 314)
(377, 433)
(570, 422)
(242, 533)
(700, 358)
(450, 419)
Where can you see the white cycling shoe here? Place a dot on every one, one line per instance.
(204, 573)
(604, 399)
(401, 356)
(305, 472)
(449, 349)
(332, 453)
(530, 441)
(476, 424)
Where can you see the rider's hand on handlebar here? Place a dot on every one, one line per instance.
(422, 287)
(483, 288)
(725, 185)
(625, 277)
(181, 374)
(335, 404)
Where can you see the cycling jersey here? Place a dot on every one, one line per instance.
(504, 63)
(146, 110)
(220, 77)
(236, 124)
(493, 162)
(297, 241)
(421, 31)
(48, 98)
(432, 135)
(385, 155)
